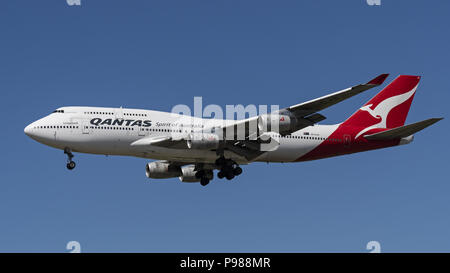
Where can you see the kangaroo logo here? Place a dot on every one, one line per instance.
(381, 111)
(370, 111)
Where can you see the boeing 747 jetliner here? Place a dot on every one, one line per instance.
(191, 148)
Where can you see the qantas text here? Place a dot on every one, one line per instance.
(121, 122)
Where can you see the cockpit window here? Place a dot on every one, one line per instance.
(58, 111)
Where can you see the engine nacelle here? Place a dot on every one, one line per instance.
(159, 169)
(203, 141)
(276, 123)
(189, 174)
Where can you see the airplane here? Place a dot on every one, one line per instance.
(186, 148)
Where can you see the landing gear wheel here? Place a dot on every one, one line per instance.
(228, 168)
(230, 175)
(204, 181)
(237, 171)
(71, 165)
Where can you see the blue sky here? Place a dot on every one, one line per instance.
(156, 54)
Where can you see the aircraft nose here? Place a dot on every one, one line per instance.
(27, 130)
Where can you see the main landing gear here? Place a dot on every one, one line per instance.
(228, 168)
(70, 164)
(204, 181)
(205, 176)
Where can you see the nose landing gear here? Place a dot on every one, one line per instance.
(70, 164)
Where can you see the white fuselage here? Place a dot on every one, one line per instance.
(110, 131)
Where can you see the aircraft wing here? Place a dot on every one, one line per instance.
(315, 105)
(306, 112)
(239, 147)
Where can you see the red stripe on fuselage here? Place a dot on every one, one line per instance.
(342, 141)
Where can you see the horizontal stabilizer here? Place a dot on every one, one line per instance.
(403, 131)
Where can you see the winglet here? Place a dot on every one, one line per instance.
(378, 80)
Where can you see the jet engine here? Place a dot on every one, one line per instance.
(203, 141)
(189, 174)
(160, 169)
(279, 123)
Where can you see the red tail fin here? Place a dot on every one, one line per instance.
(389, 108)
